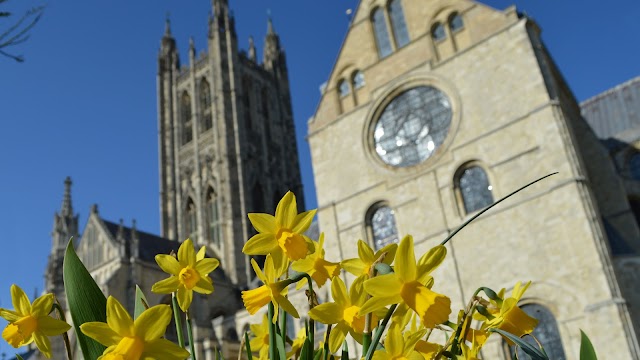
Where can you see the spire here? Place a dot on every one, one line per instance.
(167, 26)
(269, 24)
(192, 47)
(67, 207)
(252, 49)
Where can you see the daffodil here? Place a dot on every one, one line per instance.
(343, 312)
(189, 273)
(427, 349)
(126, 339)
(361, 265)
(31, 322)
(398, 347)
(297, 343)
(316, 266)
(407, 285)
(281, 235)
(260, 342)
(507, 315)
(272, 291)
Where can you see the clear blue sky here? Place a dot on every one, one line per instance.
(84, 102)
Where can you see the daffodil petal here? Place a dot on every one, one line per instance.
(433, 308)
(302, 221)
(168, 264)
(185, 297)
(376, 303)
(286, 305)
(280, 262)
(339, 291)
(260, 244)
(205, 266)
(394, 341)
(20, 301)
(52, 327)
(430, 261)
(406, 260)
(9, 315)
(337, 336)
(153, 322)
(327, 313)
(263, 223)
(101, 333)
(166, 286)
(355, 266)
(255, 299)
(365, 253)
(286, 211)
(164, 349)
(201, 253)
(357, 295)
(43, 344)
(187, 254)
(258, 271)
(256, 344)
(384, 285)
(391, 250)
(42, 305)
(203, 286)
(118, 318)
(305, 265)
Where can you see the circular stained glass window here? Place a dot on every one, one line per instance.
(412, 126)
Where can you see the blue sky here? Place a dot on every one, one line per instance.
(84, 102)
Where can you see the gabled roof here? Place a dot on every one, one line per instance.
(149, 245)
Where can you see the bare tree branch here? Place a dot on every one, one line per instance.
(18, 33)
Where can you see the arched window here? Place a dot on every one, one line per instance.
(205, 105)
(474, 188)
(246, 86)
(400, 33)
(185, 118)
(381, 33)
(438, 33)
(546, 332)
(455, 22)
(358, 79)
(191, 220)
(213, 219)
(343, 88)
(382, 224)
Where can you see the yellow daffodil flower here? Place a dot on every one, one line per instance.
(31, 322)
(427, 350)
(407, 285)
(397, 347)
(126, 339)
(189, 273)
(272, 290)
(297, 344)
(282, 235)
(508, 316)
(361, 265)
(316, 266)
(343, 312)
(260, 342)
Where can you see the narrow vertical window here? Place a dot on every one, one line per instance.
(546, 332)
(213, 219)
(455, 22)
(382, 225)
(475, 189)
(400, 32)
(381, 33)
(246, 86)
(191, 222)
(185, 118)
(358, 80)
(205, 106)
(265, 111)
(343, 88)
(438, 33)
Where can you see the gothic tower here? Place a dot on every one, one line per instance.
(226, 132)
(440, 108)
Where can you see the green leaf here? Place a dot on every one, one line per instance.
(318, 354)
(141, 303)
(282, 354)
(248, 346)
(18, 357)
(587, 352)
(86, 301)
(534, 352)
(307, 351)
(345, 350)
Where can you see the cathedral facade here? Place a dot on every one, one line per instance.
(433, 111)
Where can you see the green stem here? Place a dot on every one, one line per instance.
(65, 336)
(312, 299)
(178, 321)
(192, 344)
(248, 346)
(273, 351)
(379, 331)
(283, 325)
(492, 205)
(326, 342)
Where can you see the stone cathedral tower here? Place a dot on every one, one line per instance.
(440, 107)
(223, 120)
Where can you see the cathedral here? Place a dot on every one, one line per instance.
(432, 111)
